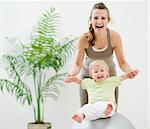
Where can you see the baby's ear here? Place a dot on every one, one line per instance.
(90, 74)
(107, 73)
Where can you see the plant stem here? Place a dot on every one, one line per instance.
(34, 112)
(38, 110)
(36, 92)
(39, 97)
(43, 110)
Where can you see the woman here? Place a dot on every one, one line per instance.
(99, 43)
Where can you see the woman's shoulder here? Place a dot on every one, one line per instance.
(84, 36)
(83, 39)
(115, 37)
(114, 34)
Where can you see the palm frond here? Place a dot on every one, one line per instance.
(67, 49)
(11, 67)
(51, 88)
(15, 85)
(43, 40)
(48, 24)
(45, 51)
(20, 90)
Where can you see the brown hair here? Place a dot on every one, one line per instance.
(91, 37)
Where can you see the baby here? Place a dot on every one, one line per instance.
(100, 88)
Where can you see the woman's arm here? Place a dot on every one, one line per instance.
(117, 45)
(82, 45)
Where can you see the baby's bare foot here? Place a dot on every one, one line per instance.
(108, 110)
(78, 117)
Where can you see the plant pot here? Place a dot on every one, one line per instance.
(39, 126)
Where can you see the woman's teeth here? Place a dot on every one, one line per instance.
(99, 26)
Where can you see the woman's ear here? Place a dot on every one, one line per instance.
(90, 23)
(109, 19)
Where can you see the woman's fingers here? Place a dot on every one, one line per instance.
(133, 73)
(69, 78)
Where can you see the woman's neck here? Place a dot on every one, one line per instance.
(101, 36)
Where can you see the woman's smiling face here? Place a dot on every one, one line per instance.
(99, 19)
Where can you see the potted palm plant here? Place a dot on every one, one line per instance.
(43, 54)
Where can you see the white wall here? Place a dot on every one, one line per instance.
(130, 19)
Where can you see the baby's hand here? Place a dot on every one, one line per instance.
(70, 78)
(133, 73)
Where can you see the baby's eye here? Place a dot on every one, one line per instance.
(103, 18)
(102, 70)
(96, 72)
(95, 17)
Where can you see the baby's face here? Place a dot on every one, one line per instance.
(99, 72)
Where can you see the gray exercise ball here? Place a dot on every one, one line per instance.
(117, 121)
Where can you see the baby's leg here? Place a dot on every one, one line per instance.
(104, 109)
(87, 112)
(108, 110)
(101, 109)
(78, 117)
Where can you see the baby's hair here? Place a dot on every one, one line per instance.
(98, 62)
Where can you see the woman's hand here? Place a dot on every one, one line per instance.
(132, 73)
(70, 78)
